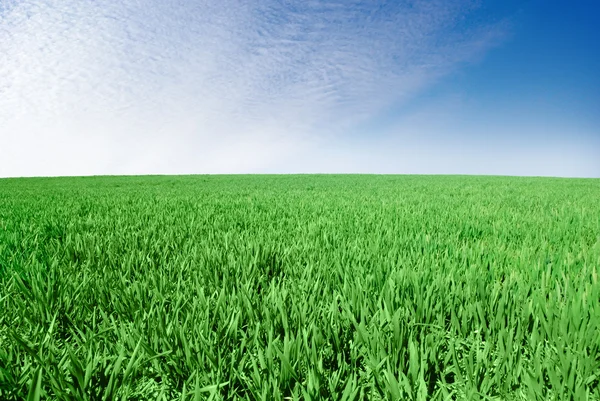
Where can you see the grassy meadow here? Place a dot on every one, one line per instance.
(316, 287)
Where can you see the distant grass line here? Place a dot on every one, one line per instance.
(333, 287)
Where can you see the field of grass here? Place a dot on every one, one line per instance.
(300, 287)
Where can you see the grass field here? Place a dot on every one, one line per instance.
(300, 287)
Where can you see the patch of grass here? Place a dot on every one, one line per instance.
(300, 287)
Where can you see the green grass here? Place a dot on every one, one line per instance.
(300, 287)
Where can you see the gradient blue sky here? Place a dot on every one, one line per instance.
(266, 86)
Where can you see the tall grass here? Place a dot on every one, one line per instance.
(300, 287)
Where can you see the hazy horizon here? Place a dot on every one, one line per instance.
(174, 87)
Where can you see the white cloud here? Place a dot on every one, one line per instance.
(176, 86)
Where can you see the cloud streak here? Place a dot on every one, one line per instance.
(205, 86)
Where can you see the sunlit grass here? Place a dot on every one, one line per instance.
(300, 287)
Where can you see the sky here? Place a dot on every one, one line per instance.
(106, 87)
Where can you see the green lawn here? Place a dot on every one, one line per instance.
(347, 287)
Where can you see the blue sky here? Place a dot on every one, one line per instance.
(231, 86)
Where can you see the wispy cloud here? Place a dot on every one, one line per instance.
(166, 86)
